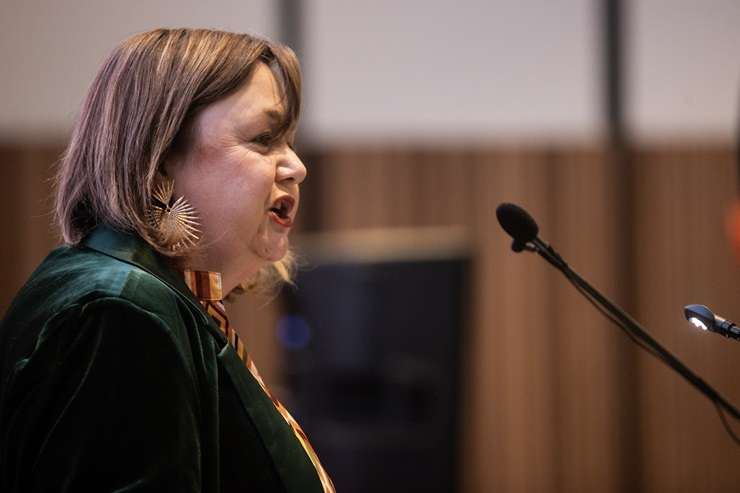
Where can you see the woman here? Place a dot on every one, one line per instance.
(119, 370)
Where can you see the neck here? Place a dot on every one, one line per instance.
(230, 277)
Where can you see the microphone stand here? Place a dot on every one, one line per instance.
(630, 326)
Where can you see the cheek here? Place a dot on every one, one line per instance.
(230, 190)
(246, 196)
(214, 173)
(246, 202)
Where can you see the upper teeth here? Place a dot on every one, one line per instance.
(281, 207)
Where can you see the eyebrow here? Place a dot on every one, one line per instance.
(279, 119)
(275, 116)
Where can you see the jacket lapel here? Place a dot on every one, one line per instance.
(294, 467)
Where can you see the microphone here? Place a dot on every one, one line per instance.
(520, 225)
(524, 230)
(702, 317)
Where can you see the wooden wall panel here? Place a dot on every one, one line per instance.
(512, 431)
(25, 213)
(541, 405)
(683, 257)
(591, 380)
(557, 399)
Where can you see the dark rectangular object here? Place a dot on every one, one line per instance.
(374, 370)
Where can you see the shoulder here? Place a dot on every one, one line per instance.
(73, 276)
(80, 293)
(72, 280)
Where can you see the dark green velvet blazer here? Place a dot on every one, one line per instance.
(114, 379)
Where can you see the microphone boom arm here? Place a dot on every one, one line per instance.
(524, 230)
(632, 326)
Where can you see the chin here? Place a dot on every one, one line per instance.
(273, 251)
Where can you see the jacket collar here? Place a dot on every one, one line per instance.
(132, 249)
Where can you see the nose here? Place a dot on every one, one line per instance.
(290, 168)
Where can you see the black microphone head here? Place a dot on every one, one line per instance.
(517, 222)
(518, 246)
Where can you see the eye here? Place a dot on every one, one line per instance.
(264, 139)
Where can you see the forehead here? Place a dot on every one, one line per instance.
(260, 91)
(259, 100)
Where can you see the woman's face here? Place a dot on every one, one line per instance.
(241, 181)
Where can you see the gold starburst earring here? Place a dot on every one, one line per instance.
(175, 220)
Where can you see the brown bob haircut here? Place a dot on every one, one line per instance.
(139, 110)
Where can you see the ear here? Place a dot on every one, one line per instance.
(732, 224)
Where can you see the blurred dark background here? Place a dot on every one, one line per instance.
(417, 346)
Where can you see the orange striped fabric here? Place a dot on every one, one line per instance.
(207, 288)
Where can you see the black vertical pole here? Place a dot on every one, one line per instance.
(613, 11)
(613, 18)
(291, 20)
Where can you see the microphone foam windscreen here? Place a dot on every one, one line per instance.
(517, 222)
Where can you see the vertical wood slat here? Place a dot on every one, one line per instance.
(684, 258)
(587, 347)
(513, 395)
(13, 217)
(26, 217)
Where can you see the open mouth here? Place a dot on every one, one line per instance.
(281, 209)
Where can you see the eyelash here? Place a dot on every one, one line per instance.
(267, 139)
(264, 140)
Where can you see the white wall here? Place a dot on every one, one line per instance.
(431, 70)
(421, 70)
(50, 50)
(684, 79)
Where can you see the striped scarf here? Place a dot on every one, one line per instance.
(207, 288)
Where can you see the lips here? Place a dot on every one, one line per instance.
(281, 209)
